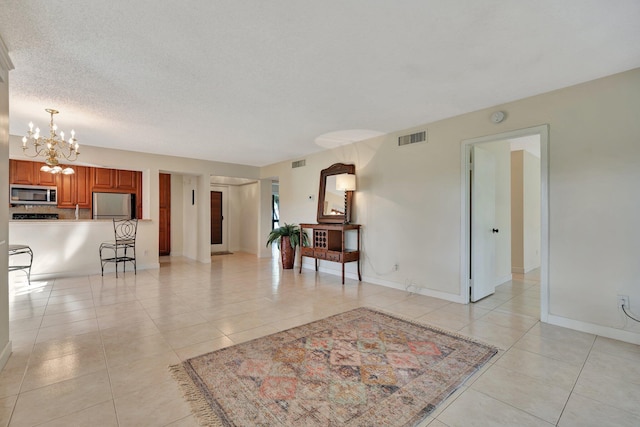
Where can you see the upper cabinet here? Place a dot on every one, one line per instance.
(28, 173)
(21, 172)
(115, 180)
(126, 180)
(44, 178)
(104, 179)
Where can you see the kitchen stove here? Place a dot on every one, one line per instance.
(32, 215)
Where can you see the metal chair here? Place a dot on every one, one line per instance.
(125, 238)
(21, 249)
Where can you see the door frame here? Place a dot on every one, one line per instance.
(465, 212)
(225, 215)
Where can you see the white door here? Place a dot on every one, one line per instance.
(483, 222)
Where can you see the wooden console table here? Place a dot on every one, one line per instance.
(327, 243)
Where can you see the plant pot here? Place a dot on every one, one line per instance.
(287, 252)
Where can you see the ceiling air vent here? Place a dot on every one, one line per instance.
(412, 139)
(298, 164)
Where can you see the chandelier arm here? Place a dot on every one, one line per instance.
(38, 150)
(72, 156)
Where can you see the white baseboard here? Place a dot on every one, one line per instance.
(377, 281)
(503, 279)
(4, 356)
(530, 269)
(591, 328)
(417, 290)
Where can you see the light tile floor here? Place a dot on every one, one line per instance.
(94, 351)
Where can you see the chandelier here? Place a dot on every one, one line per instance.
(52, 148)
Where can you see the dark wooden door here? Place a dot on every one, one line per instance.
(216, 218)
(164, 232)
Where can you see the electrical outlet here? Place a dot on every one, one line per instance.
(396, 267)
(623, 300)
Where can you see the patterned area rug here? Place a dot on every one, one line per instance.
(359, 368)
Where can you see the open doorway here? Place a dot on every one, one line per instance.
(486, 228)
(219, 219)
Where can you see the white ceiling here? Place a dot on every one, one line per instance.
(256, 82)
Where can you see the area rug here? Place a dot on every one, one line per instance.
(359, 368)
(221, 253)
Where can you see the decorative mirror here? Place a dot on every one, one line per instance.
(331, 202)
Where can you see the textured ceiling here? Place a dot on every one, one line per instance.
(256, 82)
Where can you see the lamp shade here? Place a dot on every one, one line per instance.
(346, 182)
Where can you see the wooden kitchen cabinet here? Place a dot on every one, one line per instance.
(115, 179)
(83, 187)
(104, 179)
(43, 178)
(75, 189)
(126, 180)
(139, 195)
(21, 172)
(67, 191)
(25, 172)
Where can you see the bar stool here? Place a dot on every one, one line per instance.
(124, 231)
(19, 250)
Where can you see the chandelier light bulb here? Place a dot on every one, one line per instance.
(31, 126)
(62, 135)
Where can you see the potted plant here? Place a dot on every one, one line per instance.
(287, 237)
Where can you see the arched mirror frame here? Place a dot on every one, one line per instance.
(335, 169)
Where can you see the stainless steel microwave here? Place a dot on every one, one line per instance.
(32, 195)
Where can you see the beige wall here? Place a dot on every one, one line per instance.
(248, 199)
(409, 199)
(531, 219)
(525, 211)
(178, 202)
(517, 238)
(5, 66)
